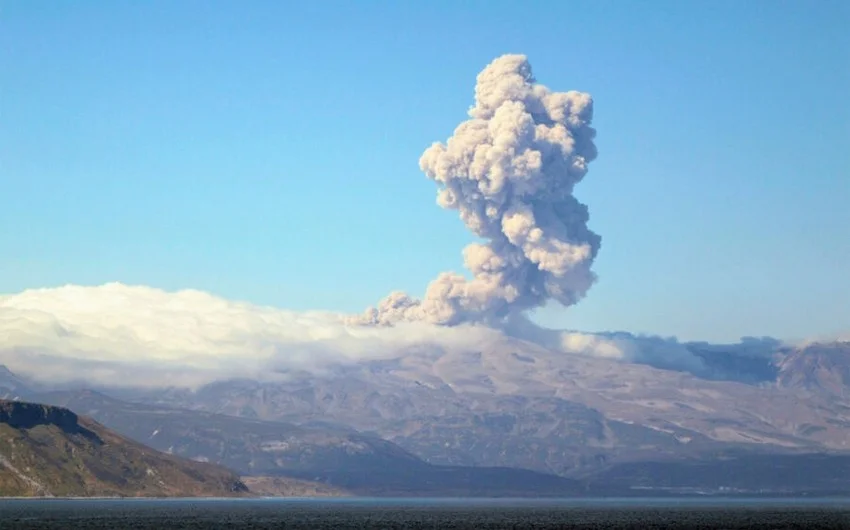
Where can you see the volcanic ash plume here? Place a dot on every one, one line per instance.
(510, 171)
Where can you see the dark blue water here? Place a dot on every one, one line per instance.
(644, 514)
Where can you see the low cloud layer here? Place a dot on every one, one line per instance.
(140, 336)
(509, 171)
(187, 337)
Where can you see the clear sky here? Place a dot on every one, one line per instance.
(268, 151)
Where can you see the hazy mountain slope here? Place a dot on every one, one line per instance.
(818, 369)
(11, 386)
(637, 460)
(512, 403)
(338, 458)
(504, 403)
(291, 487)
(247, 445)
(809, 474)
(48, 450)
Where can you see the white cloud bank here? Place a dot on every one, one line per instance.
(186, 337)
(123, 335)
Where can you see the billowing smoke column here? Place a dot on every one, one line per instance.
(510, 171)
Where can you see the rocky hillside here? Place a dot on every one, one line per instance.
(818, 368)
(336, 460)
(247, 445)
(50, 451)
(515, 404)
(323, 460)
(416, 423)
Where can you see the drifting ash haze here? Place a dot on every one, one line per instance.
(510, 171)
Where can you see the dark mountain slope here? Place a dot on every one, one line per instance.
(50, 451)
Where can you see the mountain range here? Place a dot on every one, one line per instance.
(513, 403)
(757, 418)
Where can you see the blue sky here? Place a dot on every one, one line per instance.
(268, 151)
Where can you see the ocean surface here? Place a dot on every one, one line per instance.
(644, 514)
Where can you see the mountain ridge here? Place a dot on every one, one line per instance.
(735, 471)
(335, 458)
(51, 451)
(502, 404)
(490, 405)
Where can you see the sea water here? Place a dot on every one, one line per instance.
(344, 513)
